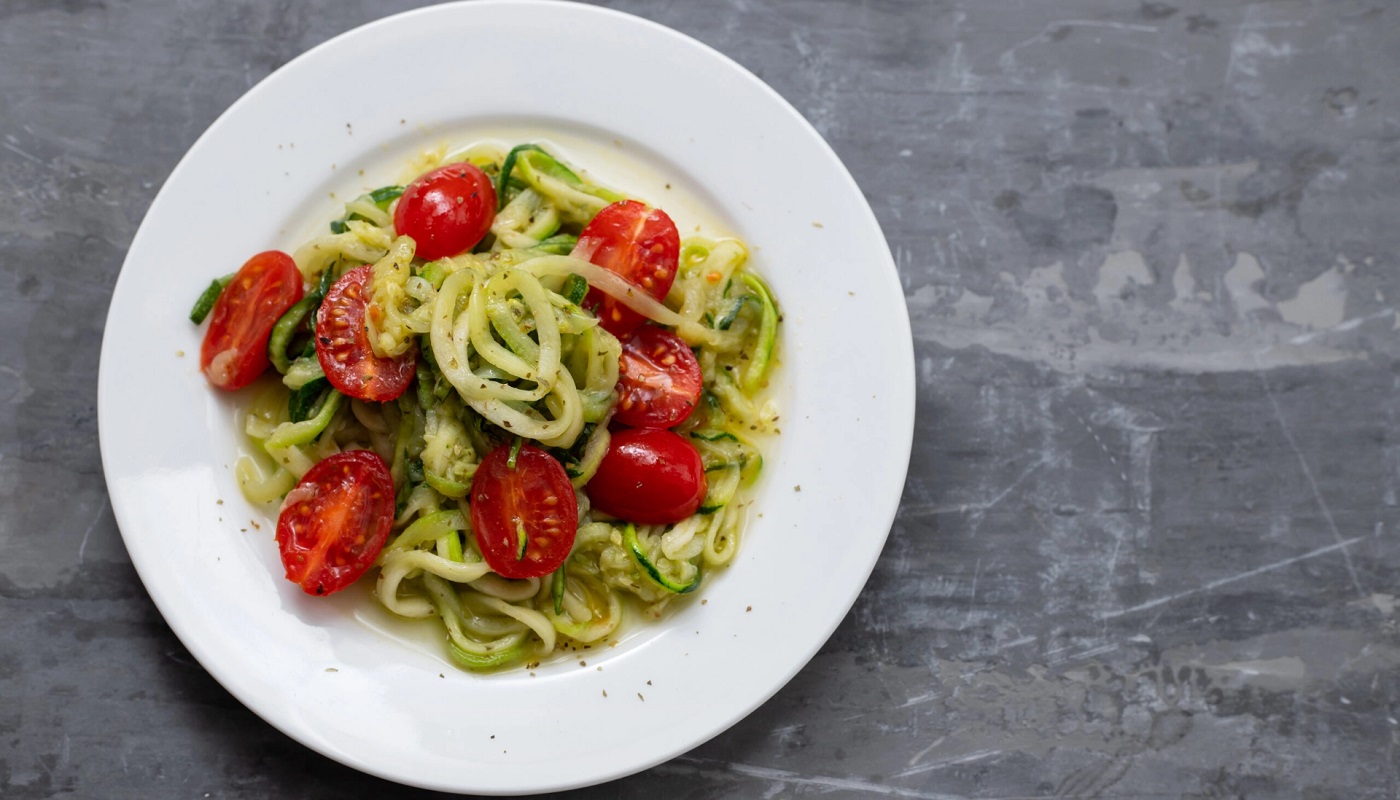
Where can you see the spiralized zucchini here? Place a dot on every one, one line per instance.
(505, 351)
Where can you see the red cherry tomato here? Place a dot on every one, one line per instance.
(334, 523)
(235, 346)
(639, 243)
(649, 476)
(446, 211)
(343, 348)
(659, 379)
(525, 516)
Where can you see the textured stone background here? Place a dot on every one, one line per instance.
(1148, 544)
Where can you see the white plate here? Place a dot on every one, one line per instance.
(321, 670)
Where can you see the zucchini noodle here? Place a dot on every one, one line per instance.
(505, 350)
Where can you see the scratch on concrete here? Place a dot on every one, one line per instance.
(829, 783)
(82, 548)
(1312, 483)
(944, 763)
(1216, 584)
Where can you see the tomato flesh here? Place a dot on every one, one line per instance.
(532, 500)
(638, 243)
(446, 211)
(234, 352)
(659, 380)
(334, 523)
(343, 348)
(649, 476)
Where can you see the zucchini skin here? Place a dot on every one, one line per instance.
(498, 658)
(291, 321)
(208, 297)
(629, 539)
(767, 334)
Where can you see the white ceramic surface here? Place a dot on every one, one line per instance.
(339, 678)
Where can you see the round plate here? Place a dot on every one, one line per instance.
(343, 679)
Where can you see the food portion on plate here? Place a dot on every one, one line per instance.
(519, 399)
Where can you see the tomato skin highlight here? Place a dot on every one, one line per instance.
(446, 211)
(638, 243)
(334, 523)
(659, 380)
(535, 497)
(649, 476)
(234, 352)
(343, 348)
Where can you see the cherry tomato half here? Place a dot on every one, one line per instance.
(235, 346)
(659, 379)
(334, 523)
(525, 516)
(446, 211)
(649, 476)
(342, 345)
(638, 243)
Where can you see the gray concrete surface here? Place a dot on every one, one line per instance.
(1148, 544)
